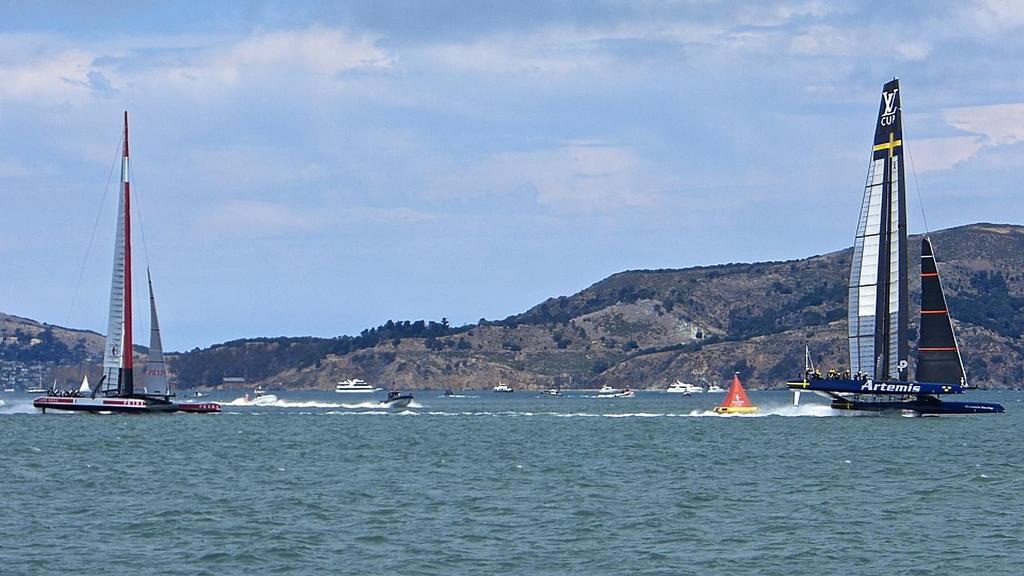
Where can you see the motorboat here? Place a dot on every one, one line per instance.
(606, 389)
(679, 387)
(354, 385)
(260, 397)
(502, 388)
(623, 393)
(715, 389)
(396, 400)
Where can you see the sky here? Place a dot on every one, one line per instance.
(317, 168)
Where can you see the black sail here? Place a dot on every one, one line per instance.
(938, 358)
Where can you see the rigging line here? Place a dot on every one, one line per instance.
(917, 184)
(92, 237)
(138, 213)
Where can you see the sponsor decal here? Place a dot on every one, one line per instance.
(889, 114)
(902, 388)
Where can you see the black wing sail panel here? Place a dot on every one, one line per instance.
(878, 277)
(938, 357)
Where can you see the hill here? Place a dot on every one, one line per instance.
(647, 328)
(642, 328)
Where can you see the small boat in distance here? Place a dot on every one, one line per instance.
(715, 389)
(606, 389)
(505, 388)
(396, 400)
(680, 387)
(618, 393)
(354, 385)
(736, 401)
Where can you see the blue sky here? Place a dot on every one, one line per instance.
(318, 168)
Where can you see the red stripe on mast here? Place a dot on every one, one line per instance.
(126, 356)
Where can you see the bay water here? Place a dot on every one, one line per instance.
(485, 483)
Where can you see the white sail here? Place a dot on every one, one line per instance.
(156, 370)
(112, 359)
(878, 300)
(85, 388)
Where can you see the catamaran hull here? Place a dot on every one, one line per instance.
(921, 407)
(122, 405)
(850, 394)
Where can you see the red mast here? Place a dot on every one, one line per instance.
(126, 347)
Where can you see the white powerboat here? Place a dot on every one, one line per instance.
(502, 388)
(679, 387)
(260, 397)
(354, 385)
(716, 389)
(623, 393)
(606, 389)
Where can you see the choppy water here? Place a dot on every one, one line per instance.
(510, 484)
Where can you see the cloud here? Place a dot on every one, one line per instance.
(577, 177)
(60, 77)
(931, 154)
(312, 54)
(998, 125)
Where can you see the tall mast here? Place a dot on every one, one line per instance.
(126, 358)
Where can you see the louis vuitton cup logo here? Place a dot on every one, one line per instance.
(888, 117)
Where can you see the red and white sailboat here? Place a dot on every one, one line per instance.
(116, 391)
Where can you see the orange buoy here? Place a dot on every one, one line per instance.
(736, 401)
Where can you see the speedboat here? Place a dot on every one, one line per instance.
(396, 400)
(715, 389)
(354, 385)
(552, 392)
(502, 388)
(623, 393)
(260, 397)
(680, 387)
(606, 389)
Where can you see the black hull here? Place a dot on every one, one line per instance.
(922, 405)
(397, 402)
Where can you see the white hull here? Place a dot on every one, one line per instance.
(264, 400)
(366, 390)
(684, 388)
(623, 394)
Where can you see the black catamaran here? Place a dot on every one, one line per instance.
(117, 390)
(879, 301)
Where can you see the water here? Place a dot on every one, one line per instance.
(510, 484)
